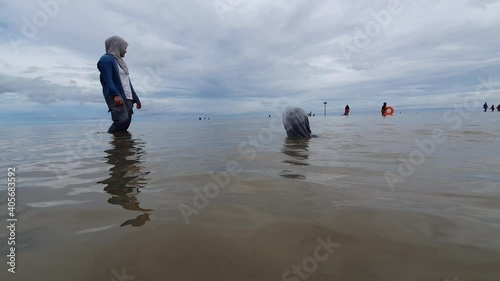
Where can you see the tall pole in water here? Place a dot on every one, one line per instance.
(325, 107)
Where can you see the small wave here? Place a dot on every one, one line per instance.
(95, 229)
(55, 203)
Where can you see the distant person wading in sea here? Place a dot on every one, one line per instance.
(116, 86)
(383, 109)
(346, 110)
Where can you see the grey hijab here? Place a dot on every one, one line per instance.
(296, 122)
(115, 45)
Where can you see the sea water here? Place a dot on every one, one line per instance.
(414, 196)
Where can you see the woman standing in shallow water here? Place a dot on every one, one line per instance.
(346, 110)
(116, 86)
(383, 109)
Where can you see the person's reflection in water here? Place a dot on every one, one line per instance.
(296, 151)
(126, 175)
(140, 220)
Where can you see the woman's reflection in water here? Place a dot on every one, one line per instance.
(296, 152)
(126, 175)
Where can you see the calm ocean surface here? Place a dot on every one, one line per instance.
(408, 197)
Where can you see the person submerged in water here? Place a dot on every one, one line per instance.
(296, 122)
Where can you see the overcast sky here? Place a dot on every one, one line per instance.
(240, 56)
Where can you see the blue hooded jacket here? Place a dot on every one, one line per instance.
(110, 78)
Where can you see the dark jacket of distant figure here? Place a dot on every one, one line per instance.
(296, 122)
(110, 78)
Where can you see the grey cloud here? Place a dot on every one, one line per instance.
(483, 4)
(267, 50)
(45, 92)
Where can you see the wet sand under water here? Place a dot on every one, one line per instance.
(234, 243)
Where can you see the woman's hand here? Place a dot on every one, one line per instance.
(139, 105)
(119, 101)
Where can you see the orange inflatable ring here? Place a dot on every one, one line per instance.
(389, 110)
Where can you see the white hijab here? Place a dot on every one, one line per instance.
(115, 45)
(296, 122)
